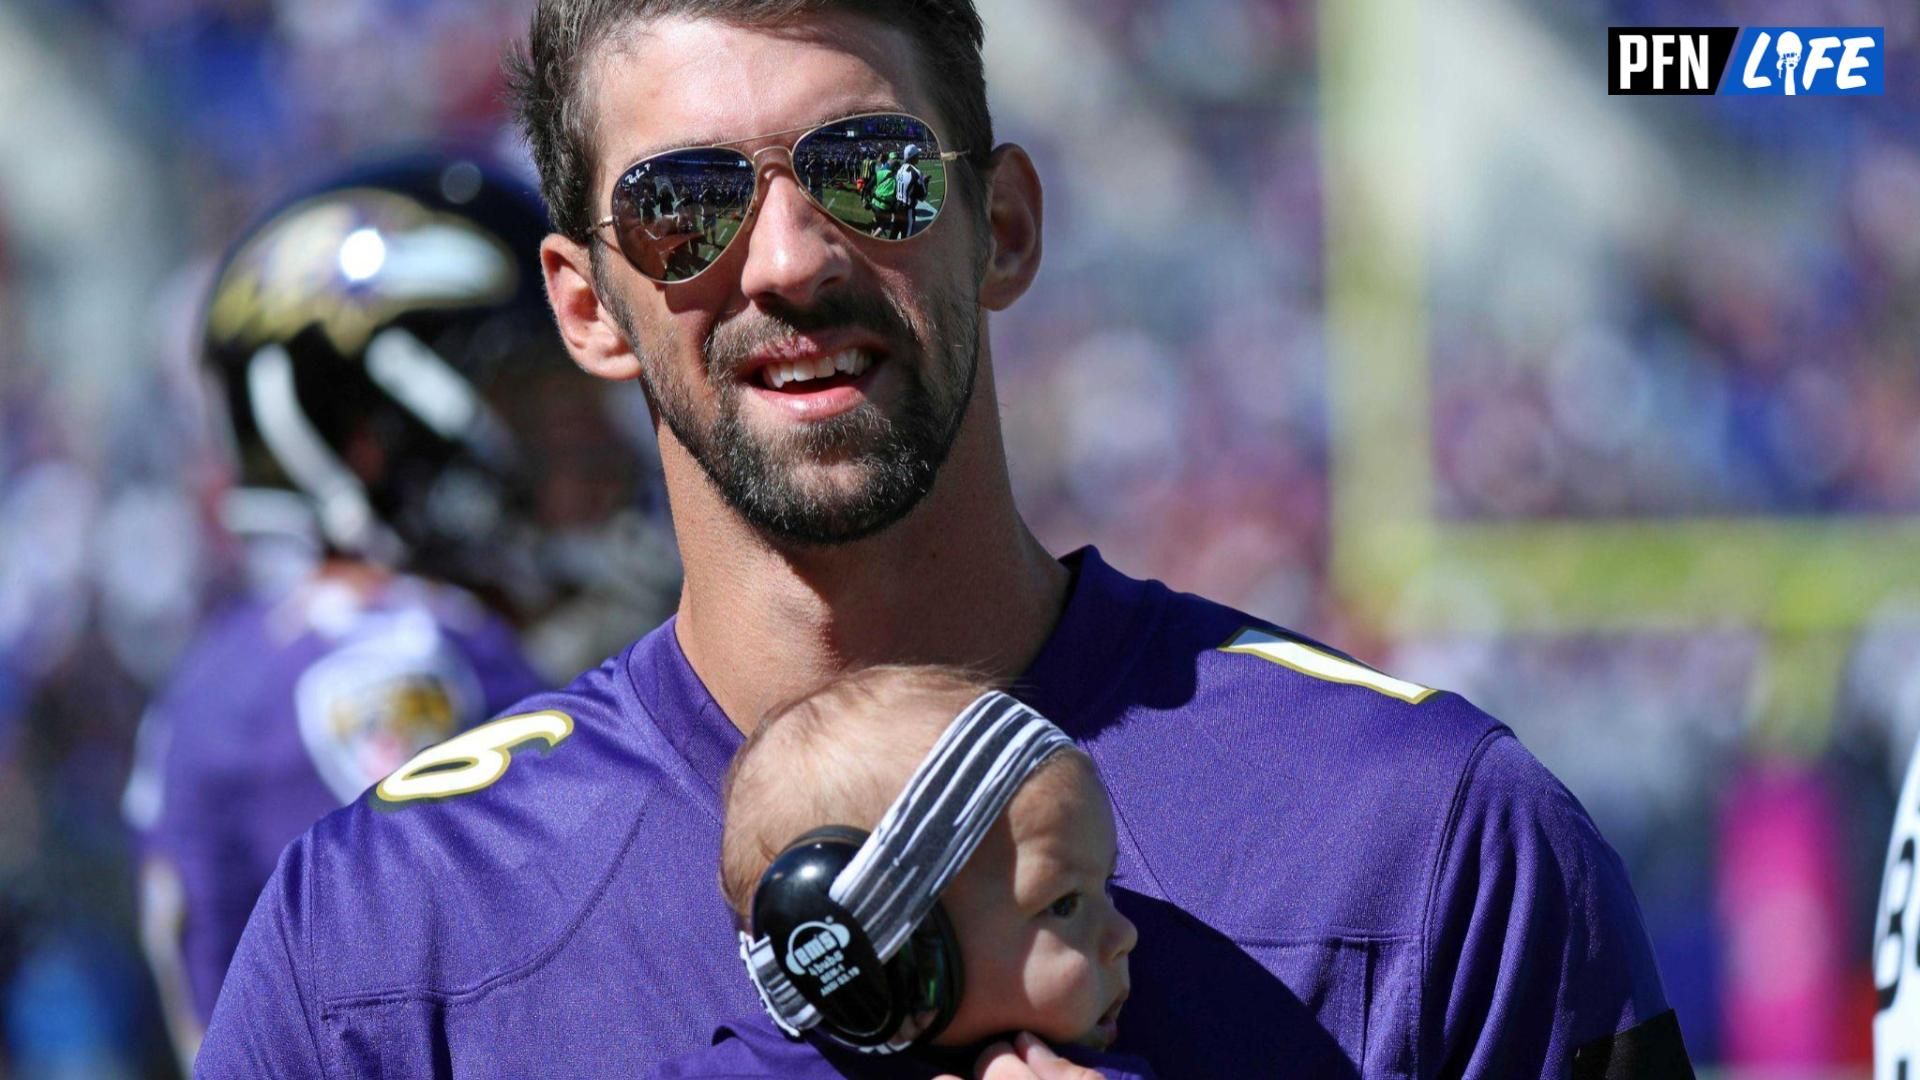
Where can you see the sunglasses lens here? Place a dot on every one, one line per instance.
(880, 174)
(675, 213)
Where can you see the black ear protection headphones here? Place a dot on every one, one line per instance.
(830, 958)
(848, 935)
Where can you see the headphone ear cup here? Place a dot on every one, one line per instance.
(823, 949)
(917, 992)
(927, 976)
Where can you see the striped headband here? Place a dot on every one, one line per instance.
(924, 839)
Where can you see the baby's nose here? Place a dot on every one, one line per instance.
(1122, 936)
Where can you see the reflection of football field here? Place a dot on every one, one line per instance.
(845, 203)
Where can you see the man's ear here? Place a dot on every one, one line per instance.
(586, 325)
(1013, 227)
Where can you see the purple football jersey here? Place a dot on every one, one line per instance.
(1333, 872)
(284, 709)
(753, 1049)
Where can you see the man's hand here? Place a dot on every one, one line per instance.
(1027, 1058)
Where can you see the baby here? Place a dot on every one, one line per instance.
(1040, 947)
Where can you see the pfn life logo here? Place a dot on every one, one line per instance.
(1786, 61)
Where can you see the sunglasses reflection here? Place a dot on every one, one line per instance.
(682, 222)
(882, 176)
(890, 189)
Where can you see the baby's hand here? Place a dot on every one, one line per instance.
(1027, 1059)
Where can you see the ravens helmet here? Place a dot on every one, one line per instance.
(360, 333)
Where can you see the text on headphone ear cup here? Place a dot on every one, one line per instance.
(819, 945)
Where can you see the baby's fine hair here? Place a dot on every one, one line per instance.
(837, 755)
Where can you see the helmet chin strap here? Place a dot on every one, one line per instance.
(438, 396)
(927, 835)
(344, 515)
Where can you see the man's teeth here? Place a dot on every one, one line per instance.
(851, 362)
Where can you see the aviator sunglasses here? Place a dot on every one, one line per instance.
(882, 175)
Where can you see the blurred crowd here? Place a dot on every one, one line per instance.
(1746, 347)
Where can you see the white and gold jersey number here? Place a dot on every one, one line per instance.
(1896, 945)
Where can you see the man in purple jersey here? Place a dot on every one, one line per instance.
(1333, 872)
(357, 332)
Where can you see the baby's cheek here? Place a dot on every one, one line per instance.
(1061, 984)
(992, 995)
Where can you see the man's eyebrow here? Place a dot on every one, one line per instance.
(845, 111)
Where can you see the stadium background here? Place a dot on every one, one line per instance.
(1379, 320)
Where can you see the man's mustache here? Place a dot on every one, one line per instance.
(776, 322)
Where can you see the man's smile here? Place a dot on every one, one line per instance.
(815, 375)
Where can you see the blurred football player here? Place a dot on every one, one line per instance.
(418, 472)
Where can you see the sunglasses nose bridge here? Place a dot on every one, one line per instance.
(774, 149)
(765, 171)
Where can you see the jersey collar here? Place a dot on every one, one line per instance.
(1081, 665)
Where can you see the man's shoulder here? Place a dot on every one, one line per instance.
(476, 856)
(1278, 703)
(1337, 781)
(1313, 808)
(1224, 669)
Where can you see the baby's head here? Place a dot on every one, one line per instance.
(1042, 947)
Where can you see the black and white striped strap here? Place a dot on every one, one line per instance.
(927, 835)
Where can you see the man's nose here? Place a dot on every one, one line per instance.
(795, 251)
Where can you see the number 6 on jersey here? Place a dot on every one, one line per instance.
(474, 759)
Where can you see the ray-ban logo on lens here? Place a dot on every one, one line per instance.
(1787, 61)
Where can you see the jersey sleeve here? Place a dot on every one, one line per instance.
(399, 683)
(1537, 960)
(263, 1022)
(196, 885)
(199, 874)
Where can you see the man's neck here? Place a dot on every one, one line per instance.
(960, 580)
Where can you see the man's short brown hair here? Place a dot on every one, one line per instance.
(548, 78)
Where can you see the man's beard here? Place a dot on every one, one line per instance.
(896, 457)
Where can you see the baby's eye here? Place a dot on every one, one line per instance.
(1064, 907)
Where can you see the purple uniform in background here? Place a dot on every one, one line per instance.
(283, 710)
(1333, 872)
